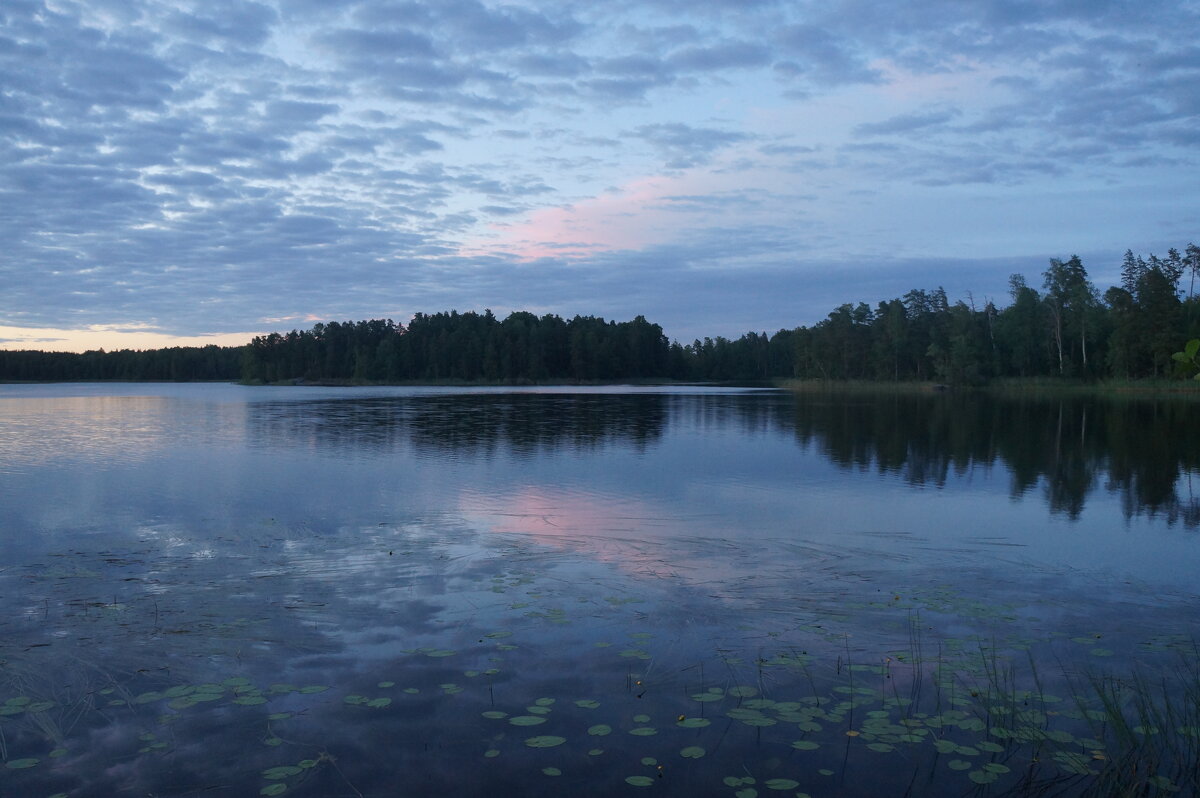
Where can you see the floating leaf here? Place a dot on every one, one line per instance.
(314, 688)
(526, 720)
(805, 745)
(692, 752)
(600, 729)
(982, 776)
(387, 684)
(379, 703)
(596, 752)
(587, 703)
(959, 764)
(21, 764)
(495, 714)
(694, 723)
(649, 761)
(552, 771)
(748, 792)
(544, 702)
(995, 767)
(281, 772)
(743, 691)
(708, 697)
(641, 718)
(441, 652)
(273, 789)
(639, 781)
(545, 741)
(882, 748)
(246, 700)
(644, 731)
(781, 784)
(491, 753)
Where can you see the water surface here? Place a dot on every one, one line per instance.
(213, 589)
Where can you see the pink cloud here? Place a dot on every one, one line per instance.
(629, 217)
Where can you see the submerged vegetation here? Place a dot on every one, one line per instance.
(1066, 331)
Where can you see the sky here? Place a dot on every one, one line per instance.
(179, 172)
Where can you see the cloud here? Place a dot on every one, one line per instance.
(907, 123)
(198, 166)
(685, 145)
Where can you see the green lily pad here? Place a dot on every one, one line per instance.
(805, 745)
(492, 753)
(639, 781)
(781, 784)
(693, 723)
(552, 771)
(692, 752)
(545, 741)
(644, 731)
(278, 788)
(281, 772)
(495, 714)
(599, 730)
(21, 764)
(959, 764)
(526, 720)
(587, 703)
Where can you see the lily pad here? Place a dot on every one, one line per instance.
(21, 764)
(693, 723)
(545, 741)
(599, 730)
(639, 781)
(692, 752)
(527, 720)
(781, 784)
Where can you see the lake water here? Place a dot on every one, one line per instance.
(227, 590)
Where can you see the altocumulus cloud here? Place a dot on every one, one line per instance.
(188, 166)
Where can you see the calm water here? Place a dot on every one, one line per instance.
(224, 590)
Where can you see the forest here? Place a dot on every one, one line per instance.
(1065, 328)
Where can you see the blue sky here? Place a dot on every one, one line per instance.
(203, 171)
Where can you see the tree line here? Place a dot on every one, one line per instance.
(1066, 329)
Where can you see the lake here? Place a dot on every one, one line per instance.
(230, 590)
